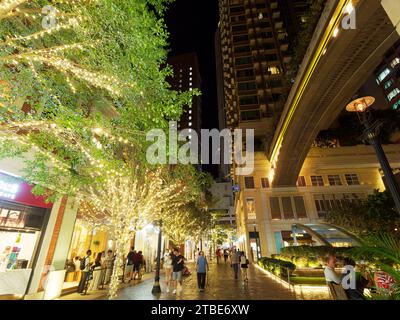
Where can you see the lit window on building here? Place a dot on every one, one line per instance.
(190, 111)
(300, 207)
(395, 62)
(249, 182)
(250, 208)
(388, 84)
(393, 94)
(275, 208)
(274, 70)
(190, 118)
(334, 180)
(396, 105)
(301, 181)
(317, 181)
(190, 68)
(352, 179)
(383, 75)
(264, 183)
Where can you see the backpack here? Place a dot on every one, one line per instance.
(83, 264)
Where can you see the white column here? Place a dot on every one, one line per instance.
(44, 248)
(392, 8)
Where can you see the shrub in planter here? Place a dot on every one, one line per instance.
(300, 254)
(277, 266)
(301, 262)
(314, 263)
(283, 258)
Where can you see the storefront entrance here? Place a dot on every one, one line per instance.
(23, 218)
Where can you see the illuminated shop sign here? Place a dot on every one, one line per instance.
(8, 190)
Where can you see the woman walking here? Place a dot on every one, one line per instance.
(244, 264)
(168, 268)
(202, 268)
(137, 266)
(96, 270)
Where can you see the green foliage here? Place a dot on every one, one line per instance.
(377, 214)
(276, 266)
(383, 250)
(103, 72)
(304, 36)
(310, 256)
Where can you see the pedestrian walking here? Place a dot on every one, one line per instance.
(235, 260)
(129, 264)
(177, 268)
(96, 272)
(85, 270)
(137, 265)
(168, 269)
(202, 269)
(226, 255)
(77, 264)
(244, 264)
(109, 261)
(218, 255)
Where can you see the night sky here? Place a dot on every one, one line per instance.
(192, 25)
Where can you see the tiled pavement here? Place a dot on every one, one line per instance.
(221, 285)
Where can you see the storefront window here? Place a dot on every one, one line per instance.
(20, 228)
(22, 221)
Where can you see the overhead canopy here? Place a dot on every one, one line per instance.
(327, 234)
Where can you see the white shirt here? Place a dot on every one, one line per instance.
(331, 275)
(167, 261)
(87, 264)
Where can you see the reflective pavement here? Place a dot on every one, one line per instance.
(220, 285)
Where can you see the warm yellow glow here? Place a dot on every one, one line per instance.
(333, 24)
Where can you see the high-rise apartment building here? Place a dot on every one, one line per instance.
(187, 78)
(252, 47)
(387, 77)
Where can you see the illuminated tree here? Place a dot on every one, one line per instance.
(78, 94)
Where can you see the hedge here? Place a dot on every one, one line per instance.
(276, 266)
(308, 256)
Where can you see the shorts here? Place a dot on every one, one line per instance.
(177, 275)
(128, 268)
(244, 266)
(136, 267)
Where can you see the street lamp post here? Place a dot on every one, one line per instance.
(156, 286)
(371, 134)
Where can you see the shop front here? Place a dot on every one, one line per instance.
(85, 236)
(23, 218)
(146, 240)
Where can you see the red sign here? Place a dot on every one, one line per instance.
(383, 280)
(16, 190)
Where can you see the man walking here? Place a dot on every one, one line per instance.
(129, 264)
(85, 268)
(235, 259)
(177, 268)
(202, 268)
(109, 266)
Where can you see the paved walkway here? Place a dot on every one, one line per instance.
(221, 285)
